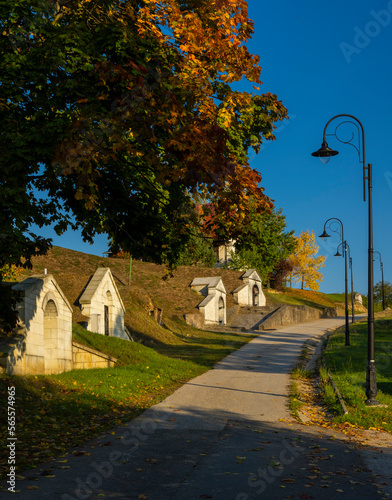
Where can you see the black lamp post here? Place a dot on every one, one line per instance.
(382, 280)
(352, 287)
(343, 243)
(325, 152)
(350, 265)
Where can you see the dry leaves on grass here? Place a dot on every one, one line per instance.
(315, 412)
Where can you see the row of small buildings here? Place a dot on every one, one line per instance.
(44, 345)
(213, 307)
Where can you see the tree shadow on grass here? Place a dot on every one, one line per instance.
(385, 387)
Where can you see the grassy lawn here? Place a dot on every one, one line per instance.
(318, 300)
(57, 412)
(294, 296)
(337, 297)
(347, 365)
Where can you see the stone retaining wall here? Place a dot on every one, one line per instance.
(86, 357)
(195, 319)
(333, 312)
(290, 315)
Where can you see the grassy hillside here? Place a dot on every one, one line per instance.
(302, 297)
(63, 411)
(150, 287)
(310, 298)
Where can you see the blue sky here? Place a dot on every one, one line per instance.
(323, 59)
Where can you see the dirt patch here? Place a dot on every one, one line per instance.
(313, 411)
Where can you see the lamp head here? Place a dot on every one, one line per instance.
(337, 254)
(325, 235)
(325, 152)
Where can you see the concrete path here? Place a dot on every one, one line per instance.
(225, 435)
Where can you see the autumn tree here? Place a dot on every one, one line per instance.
(263, 243)
(117, 115)
(306, 263)
(9, 298)
(119, 112)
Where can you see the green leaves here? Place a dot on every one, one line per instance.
(116, 111)
(264, 243)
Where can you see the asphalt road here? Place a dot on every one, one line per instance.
(225, 435)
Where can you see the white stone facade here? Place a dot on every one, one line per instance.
(250, 293)
(45, 345)
(101, 304)
(223, 251)
(213, 307)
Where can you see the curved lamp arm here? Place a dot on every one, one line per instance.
(326, 235)
(325, 151)
(379, 256)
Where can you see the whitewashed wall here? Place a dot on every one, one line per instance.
(100, 292)
(46, 317)
(244, 294)
(213, 289)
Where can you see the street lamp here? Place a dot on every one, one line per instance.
(326, 152)
(382, 280)
(343, 243)
(350, 265)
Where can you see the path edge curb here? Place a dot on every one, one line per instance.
(321, 342)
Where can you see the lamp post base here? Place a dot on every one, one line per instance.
(371, 384)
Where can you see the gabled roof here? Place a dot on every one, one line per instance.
(213, 283)
(210, 282)
(206, 301)
(100, 274)
(238, 289)
(251, 274)
(38, 279)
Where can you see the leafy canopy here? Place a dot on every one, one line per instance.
(117, 115)
(378, 293)
(119, 112)
(264, 243)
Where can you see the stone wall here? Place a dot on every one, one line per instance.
(101, 293)
(11, 355)
(289, 315)
(333, 312)
(195, 319)
(85, 358)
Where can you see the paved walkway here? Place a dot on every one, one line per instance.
(225, 435)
